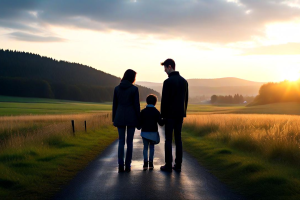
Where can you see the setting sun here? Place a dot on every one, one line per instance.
(291, 75)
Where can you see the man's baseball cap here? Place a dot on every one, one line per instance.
(168, 62)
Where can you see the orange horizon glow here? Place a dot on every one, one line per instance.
(270, 57)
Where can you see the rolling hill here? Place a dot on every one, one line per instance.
(31, 75)
(219, 86)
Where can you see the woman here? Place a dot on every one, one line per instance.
(126, 112)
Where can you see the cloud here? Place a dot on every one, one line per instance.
(13, 9)
(213, 21)
(34, 38)
(282, 49)
(17, 26)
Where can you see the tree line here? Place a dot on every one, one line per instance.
(31, 75)
(236, 99)
(285, 91)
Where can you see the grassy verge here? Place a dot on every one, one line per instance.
(38, 171)
(247, 173)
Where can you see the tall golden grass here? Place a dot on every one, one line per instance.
(18, 131)
(276, 137)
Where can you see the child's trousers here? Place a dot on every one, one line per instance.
(148, 143)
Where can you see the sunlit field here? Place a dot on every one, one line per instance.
(240, 144)
(40, 153)
(19, 131)
(272, 136)
(256, 154)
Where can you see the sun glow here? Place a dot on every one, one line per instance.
(279, 33)
(291, 74)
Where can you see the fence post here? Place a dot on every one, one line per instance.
(85, 125)
(73, 127)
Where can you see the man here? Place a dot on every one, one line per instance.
(174, 103)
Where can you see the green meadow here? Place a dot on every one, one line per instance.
(37, 106)
(254, 150)
(39, 152)
(38, 171)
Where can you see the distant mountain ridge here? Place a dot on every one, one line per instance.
(223, 82)
(31, 75)
(217, 82)
(218, 86)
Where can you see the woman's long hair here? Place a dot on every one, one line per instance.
(129, 75)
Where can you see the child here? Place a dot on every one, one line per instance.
(150, 116)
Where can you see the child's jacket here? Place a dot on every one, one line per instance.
(149, 118)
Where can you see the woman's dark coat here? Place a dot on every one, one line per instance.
(126, 105)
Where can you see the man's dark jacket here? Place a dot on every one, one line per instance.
(175, 94)
(150, 116)
(126, 105)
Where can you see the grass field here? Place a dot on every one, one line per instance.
(291, 108)
(38, 172)
(40, 153)
(34, 106)
(276, 108)
(257, 155)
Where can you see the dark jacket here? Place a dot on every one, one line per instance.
(150, 116)
(175, 95)
(126, 105)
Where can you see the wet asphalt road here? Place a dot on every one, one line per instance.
(101, 180)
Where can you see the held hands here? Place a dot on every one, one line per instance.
(163, 122)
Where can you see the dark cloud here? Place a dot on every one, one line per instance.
(215, 21)
(13, 9)
(34, 38)
(17, 26)
(282, 49)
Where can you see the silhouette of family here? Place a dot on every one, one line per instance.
(127, 117)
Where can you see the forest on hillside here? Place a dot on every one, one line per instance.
(31, 75)
(285, 91)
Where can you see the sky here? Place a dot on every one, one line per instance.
(255, 40)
